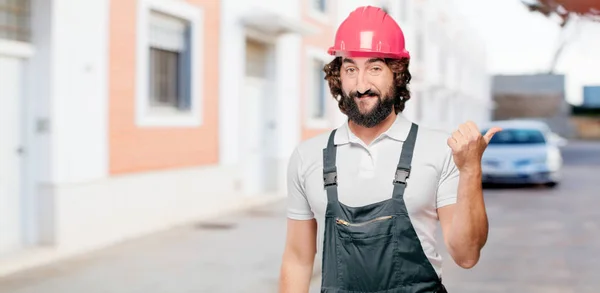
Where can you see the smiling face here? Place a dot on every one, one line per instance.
(367, 83)
(368, 89)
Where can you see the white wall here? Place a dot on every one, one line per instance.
(455, 82)
(284, 8)
(345, 7)
(39, 95)
(67, 119)
(232, 60)
(65, 96)
(79, 90)
(288, 52)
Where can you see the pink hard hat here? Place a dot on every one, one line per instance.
(369, 32)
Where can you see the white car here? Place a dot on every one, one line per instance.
(525, 152)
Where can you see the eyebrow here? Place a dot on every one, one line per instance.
(372, 60)
(348, 60)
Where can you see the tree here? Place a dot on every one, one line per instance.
(568, 11)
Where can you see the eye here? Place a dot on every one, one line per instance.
(350, 70)
(376, 68)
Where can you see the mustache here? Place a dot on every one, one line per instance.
(368, 93)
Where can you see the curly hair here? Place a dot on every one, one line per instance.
(402, 78)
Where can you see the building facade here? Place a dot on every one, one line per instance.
(450, 82)
(152, 113)
(533, 96)
(591, 96)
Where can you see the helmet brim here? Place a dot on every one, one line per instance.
(368, 53)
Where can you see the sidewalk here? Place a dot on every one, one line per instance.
(235, 253)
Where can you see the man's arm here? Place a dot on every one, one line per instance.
(298, 256)
(465, 224)
(300, 244)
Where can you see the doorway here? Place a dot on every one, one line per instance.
(11, 153)
(258, 113)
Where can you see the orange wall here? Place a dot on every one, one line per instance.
(135, 149)
(323, 40)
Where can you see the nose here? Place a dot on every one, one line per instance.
(362, 85)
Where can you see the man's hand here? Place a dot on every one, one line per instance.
(468, 145)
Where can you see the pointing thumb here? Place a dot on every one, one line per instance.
(490, 133)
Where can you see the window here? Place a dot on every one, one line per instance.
(318, 10)
(417, 101)
(320, 88)
(443, 61)
(169, 84)
(517, 136)
(15, 20)
(317, 96)
(419, 47)
(320, 5)
(169, 69)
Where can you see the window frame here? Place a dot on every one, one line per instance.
(318, 54)
(317, 14)
(16, 49)
(147, 115)
(26, 38)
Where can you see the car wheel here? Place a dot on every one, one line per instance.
(551, 184)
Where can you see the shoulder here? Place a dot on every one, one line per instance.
(312, 148)
(433, 144)
(433, 139)
(308, 154)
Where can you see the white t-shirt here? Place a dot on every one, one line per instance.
(365, 174)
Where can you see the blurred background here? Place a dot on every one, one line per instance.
(144, 143)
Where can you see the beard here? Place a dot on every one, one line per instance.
(372, 117)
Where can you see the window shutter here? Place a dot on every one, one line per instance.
(167, 32)
(185, 80)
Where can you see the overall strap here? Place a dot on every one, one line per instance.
(404, 165)
(330, 170)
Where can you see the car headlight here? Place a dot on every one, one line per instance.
(554, 159)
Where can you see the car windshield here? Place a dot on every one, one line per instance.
(517, 136)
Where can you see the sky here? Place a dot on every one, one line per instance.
(523, 42)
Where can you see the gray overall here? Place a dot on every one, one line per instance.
(373, 248)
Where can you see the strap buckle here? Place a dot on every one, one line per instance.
(401, 175)
(330, 177)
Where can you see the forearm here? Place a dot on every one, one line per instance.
(295, 275)
(469, 224)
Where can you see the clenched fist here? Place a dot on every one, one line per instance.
(468, 145)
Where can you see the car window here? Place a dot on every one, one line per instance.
(518, 136)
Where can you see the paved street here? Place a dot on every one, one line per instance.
(541, 240)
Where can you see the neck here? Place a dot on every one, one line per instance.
(367, 135)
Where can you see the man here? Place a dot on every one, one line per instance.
(368, 195)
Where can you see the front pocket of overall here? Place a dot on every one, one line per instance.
(373, 228)
(365, 256)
